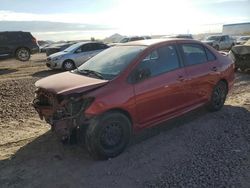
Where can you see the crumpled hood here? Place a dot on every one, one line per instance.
(67, 82)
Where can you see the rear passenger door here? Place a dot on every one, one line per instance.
(201, 68)
(159, 85)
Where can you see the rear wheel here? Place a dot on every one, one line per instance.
(68, 65)
(23, 54)
(218, 97)
(108, 135)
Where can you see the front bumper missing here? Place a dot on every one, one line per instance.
(62, 123)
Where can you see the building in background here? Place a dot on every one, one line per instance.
(236, 29)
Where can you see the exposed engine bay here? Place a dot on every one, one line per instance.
(63, 113)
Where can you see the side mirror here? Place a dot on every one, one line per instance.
(142, 74)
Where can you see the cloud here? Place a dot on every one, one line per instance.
(45, 26)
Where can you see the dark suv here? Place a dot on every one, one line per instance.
(17, 43)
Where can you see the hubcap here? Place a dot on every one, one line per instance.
(111, 135)
(68, 65)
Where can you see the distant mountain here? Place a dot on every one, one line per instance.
(45, 26)
(113, 38)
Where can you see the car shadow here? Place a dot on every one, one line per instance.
(47, 157)
(45, 73)
(7, 71)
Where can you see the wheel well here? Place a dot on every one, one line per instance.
(124, 112)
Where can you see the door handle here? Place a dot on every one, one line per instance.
(214, 69)
(180, 78)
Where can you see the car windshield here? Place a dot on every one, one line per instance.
(72, 47)
(111, 62)
(214, 38)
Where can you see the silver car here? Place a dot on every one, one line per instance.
(75, 55)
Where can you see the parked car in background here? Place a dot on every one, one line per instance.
(57, 47)
(220, 42)
(130, 87)
(75, 55)
(134, 38)
(240, 54)
(17, 44)
(184, 36)
(242, 39)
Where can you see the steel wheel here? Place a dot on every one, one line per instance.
(111, 135)
(108, 135)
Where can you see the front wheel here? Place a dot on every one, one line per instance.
(108, 135)
(218, 96)
(68, 65)
(23, 54)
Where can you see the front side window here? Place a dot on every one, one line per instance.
(88, 47)
(159, 61)
(193, 54)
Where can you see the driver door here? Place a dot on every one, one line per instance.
(160, 89)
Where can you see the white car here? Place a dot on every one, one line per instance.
(75, 55)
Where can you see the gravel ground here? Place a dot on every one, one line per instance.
(199, 149)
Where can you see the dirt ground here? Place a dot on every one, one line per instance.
(199, 149)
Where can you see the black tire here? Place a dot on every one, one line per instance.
(68, 65)
(108, 135)
(23, 54)
(218, 96)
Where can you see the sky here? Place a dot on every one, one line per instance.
(82, 19)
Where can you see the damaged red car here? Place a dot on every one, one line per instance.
(130, 87)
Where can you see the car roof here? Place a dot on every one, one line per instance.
(151, 42)
(87, 42)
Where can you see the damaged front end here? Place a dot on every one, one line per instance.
(64, 113)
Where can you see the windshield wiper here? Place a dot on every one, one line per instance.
(89, 72)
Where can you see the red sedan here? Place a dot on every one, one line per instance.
(130, 87)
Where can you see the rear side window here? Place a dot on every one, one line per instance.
(193, 54)
(210, 55)
(161, 60)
